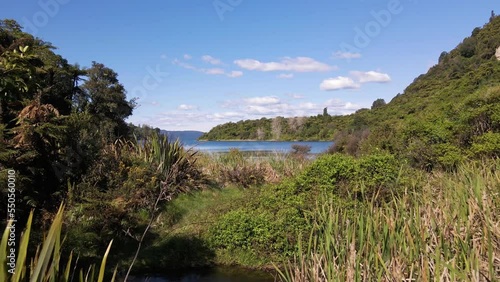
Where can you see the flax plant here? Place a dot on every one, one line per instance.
(46, 264)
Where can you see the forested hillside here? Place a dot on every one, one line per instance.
(320, 127)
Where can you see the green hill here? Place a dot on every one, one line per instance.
(445, 115)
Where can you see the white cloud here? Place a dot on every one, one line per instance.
(299, 64)
(240, 110)
(211, 60)
(270, 106)
(184, 65)
(295, 96)
(370, 76)
(187, 57)
(261, 110)
(235, 74)
(185, 107)
(266, 100)
(225, 115)
(341, 105)
(307, 106)
(286, 75)
(337, 83)
(346, 55)
(213, 71)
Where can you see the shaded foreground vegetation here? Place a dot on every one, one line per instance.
(318, 226)
(410, 189)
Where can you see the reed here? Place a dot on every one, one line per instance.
(250, 168)
(449, 231)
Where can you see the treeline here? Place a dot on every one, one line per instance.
(443, 117)
(320, 127)
(55, 117)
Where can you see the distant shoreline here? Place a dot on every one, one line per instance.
(253, 140)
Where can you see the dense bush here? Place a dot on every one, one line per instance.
(347, 176)
(265, 224)
(242, 229)
(487, 145)
(119, 203)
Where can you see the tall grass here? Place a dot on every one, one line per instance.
(250, 168)
(448, 231)
(46, 264)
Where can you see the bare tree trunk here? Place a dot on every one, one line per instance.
(276, 127)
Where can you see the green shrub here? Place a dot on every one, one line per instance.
(468, 47)
(348, 176)
(241, 229)
(265, 234)
(449, 156)
(377, 175)
(487, 145)
(328, 171)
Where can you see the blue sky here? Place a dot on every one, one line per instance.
(194, 64)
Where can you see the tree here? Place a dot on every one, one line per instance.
(107, 101)
(261, 133)
(276, 127)
(443, 56)
(378, 103)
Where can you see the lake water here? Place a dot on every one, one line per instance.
(267, 146)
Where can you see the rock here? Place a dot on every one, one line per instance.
(497, 54)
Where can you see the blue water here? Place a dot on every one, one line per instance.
(267, 146)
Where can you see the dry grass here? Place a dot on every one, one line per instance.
(252, 168)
